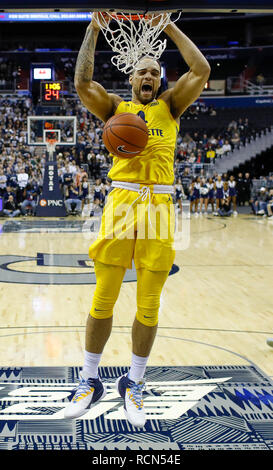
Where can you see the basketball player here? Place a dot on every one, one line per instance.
(151, 171)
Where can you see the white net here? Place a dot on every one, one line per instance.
(133, 36)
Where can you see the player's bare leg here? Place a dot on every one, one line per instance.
(97, 334)
(143, 338)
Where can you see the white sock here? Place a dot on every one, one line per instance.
(91, 364)
(137, 369)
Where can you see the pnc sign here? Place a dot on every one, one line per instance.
(51, 202)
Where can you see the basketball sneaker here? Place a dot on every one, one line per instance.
(88, 393)
(131, 392)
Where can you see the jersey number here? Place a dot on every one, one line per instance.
(142, 115)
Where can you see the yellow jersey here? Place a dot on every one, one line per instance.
(155, 164)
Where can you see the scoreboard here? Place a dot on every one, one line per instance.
(51, 92)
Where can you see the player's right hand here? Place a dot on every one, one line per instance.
(97, 17)
(94, 23)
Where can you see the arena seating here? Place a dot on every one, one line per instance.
(201, 129)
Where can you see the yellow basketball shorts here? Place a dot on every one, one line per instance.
(136, 226)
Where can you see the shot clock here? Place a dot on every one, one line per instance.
(51, 93)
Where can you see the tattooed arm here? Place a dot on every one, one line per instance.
(92, 94)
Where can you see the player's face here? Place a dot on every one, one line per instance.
(145, 80)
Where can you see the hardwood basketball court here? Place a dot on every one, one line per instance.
(216, 305)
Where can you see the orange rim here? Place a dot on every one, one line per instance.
(129, 17)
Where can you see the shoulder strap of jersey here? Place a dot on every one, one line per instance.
(121, 108)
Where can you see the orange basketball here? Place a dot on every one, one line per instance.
(125, 135)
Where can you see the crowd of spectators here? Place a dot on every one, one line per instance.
(204, 147)
(8, 73)
(107, 75)
(224, 193)
(261, 196)
(83, 168)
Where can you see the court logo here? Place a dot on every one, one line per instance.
(86, 274)
(44, 402)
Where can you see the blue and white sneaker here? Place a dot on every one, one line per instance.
(131, 392)
(88, 393)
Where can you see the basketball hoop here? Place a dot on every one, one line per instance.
(51, 145)
(133, 36)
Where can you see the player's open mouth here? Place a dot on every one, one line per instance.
(146, 88)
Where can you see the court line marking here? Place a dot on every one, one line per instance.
(219, 330)
(159, 336)
(258, 220)
(222, 227)
(228, 265)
